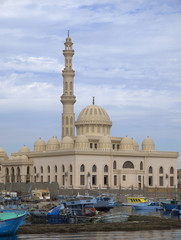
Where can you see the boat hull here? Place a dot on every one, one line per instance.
(10, 226)
(147, 207)
(169, 206)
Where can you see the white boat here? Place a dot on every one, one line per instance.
(152, 206)
(112, 218)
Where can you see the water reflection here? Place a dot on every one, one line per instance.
(8, 237)
(136, 235)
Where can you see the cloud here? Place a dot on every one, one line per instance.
(127, 55)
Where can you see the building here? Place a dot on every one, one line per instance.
(91, 158)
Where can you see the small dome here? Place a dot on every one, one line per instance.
(24, 149)
(105, 142)
(135, 145)
(67, 139)
(148, 144)
(81, 139)
(40, 145)
(67, 143)
(3, 153)
(81, 142)
(2, 150)
(53, 144)
(127, 144)
(105, 139)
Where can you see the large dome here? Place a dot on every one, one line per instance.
(93, 120)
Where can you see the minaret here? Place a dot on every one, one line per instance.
(68, 98)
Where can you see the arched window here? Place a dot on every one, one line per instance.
(141, 165)
(82, 168)
(34, 169)
(71, 86)
(71, 120)
(18, 175)
(56, 168)
(70, 167)
(114, 165)
(18, 171)
(12, 174)
(150, 170)
(171, 170)
(66, 85)
(63, 168)
(67, 121)
(28, 170)
(161, 170)
(106, 168)
(7, 171)
(128, 164)
(94, 168)
(41, 169)
(48, 169)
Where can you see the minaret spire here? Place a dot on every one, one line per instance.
(68, 99)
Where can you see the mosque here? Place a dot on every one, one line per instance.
(91, 158)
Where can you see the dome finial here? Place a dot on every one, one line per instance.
(93, 100)
(68, 33)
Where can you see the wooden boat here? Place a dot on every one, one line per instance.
(112, 218)
(10, 222)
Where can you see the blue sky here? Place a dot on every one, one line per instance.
(127, 55)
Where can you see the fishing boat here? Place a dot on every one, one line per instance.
(59, 214)
(82, 206)
(168, 205)
(152, 206)
(10, 222)
(104, 203)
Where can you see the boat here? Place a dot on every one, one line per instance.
(10, 222)
(82, 206)
(150, 206)
(176, 211)
(168, 205)
(59, 214)
(112, 218)
(131, 201)
(104, 203)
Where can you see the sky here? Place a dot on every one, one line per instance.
(127, 55)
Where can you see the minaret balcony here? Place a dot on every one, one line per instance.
(68, 99)
(68, 72)
(68, 52)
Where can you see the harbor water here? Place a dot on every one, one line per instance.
(136, 235)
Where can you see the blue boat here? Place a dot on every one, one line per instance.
(104, 203)
(10, 222)
(152, 206)
(170, 204)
